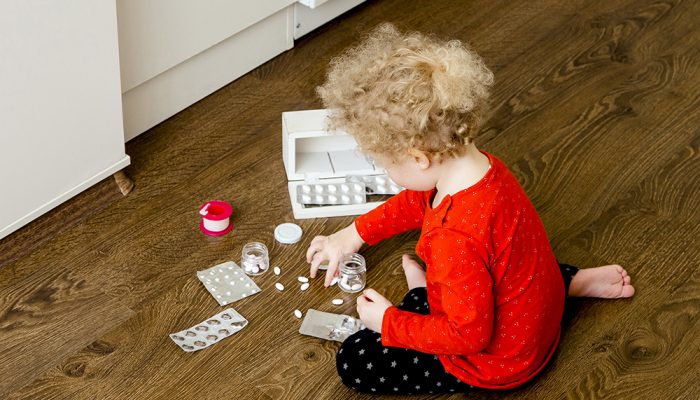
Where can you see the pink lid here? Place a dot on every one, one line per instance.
(216, 210)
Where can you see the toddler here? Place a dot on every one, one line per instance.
(486, 310)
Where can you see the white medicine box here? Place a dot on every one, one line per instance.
(313, 155)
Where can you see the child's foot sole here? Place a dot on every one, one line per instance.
(606, 282)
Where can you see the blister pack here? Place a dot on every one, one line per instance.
(376, 184)
(329, 326)
(332, 193)
(227, 283)
(210, 331)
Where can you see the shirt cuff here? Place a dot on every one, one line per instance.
(385, 335)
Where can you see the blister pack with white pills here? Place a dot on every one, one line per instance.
(376, 184)
(210, 331)
(227, 283)
(329, 326)
(332, 193)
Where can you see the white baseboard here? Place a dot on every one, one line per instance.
(65, 196)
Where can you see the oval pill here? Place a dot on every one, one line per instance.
(304, 286)
(303, 279)
(297, 313)
(277, 270)
(334, 280)
(279, 286)
(337, 302)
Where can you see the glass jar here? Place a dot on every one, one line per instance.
(254, 258)
(353, 273)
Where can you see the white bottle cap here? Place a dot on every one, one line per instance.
(288, 233)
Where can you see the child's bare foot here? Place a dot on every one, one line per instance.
(606, 282)
(415, 274)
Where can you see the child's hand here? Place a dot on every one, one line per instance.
(371, 307)
(332, 248)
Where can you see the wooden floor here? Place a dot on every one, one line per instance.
(595, 110)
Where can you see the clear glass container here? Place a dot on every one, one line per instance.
(353, 273)
(254, 258)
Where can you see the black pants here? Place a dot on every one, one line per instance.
(364, 364)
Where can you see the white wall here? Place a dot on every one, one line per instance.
(60, 103)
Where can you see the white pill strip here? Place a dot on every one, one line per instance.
(377, 184)
(332, 193)
(279, 286)
(337, 302)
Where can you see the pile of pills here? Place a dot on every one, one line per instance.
(254, 258)
(332, 193)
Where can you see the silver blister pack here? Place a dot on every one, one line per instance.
(227, 283)
(376, 184)
(329, 326)
(210, 331)
(332, 193)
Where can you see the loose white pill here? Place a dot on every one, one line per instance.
(334, 280)
(279, 286)
(277, 270)
(297, 313)
(356, 287)
(337, 302)
(304, 286)
(303, 279)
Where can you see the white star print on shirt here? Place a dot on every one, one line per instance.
(369, 366)
(393, 364)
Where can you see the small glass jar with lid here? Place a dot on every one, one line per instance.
(353, 273)
(254, 258)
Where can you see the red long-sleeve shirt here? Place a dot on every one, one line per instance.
(494, 288)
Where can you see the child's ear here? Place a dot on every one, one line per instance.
(420, 157)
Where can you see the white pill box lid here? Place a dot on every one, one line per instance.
(288, 233)
(311, 152)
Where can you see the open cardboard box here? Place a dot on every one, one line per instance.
(312, 154)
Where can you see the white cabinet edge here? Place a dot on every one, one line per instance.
(65, 196)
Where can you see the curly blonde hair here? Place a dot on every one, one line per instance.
(397, 91)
